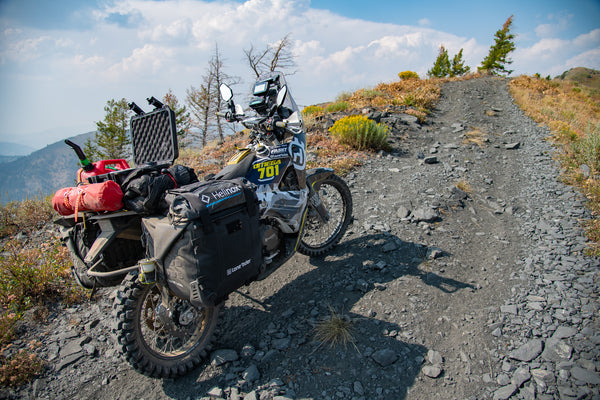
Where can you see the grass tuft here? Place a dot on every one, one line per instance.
(335, 330)
(475, 136)
(464, 186)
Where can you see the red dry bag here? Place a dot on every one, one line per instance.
(105, 196)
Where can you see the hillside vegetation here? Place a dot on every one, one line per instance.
(571, 110)
(580, 76)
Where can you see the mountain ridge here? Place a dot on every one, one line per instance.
(10, 149)
(40, 173)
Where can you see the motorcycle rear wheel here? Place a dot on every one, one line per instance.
(319, 237)
(157, 342)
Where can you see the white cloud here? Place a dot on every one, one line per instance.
(424, 22)
(590, 59)
(141, 47)
(590, 39)
(560, 23)
(25, 49)
(552, 56)
(143, 61)
(82, 61)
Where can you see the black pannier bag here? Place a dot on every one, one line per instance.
(209, 244)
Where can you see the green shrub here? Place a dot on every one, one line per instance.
(361, 133)
(371, 94)
(19, 368)
(404, 75)
(33, 276)
(337, 107)
(312, 110)
(26, 215)
(587, 149)
(344, 96)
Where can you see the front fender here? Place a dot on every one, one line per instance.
(317, 174)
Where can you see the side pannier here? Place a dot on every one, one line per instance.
(209, 244)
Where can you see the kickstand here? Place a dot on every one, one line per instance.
(265, 306)
(94, 290)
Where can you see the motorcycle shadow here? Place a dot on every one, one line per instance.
(281, 317)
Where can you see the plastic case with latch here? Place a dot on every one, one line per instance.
(153, 140)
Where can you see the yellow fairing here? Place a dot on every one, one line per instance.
(239, 156)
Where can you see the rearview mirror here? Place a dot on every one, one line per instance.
(281, 96)
(226, 92)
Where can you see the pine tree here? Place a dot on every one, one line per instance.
(458, 65)
(441, 67)
(497, 58)
(111, 140)
(182, 117)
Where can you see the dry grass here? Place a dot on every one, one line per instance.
(476, 136)
(335, 330)
(572, 114)
(464, 186)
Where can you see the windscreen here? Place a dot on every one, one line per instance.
(268, 85)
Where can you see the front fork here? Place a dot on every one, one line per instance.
(313, 177)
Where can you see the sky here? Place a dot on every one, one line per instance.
(62, 60)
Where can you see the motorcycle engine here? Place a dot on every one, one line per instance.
(272, 240)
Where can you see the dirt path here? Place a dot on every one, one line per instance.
(474, 293)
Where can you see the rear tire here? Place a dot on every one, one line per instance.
(319, 237)
(157, 342)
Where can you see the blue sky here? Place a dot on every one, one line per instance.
(61, 61)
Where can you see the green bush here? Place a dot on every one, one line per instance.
(312, 110)
(404, 75)
(344, 96)
(337, 107)
(361, 133)
(26, 215)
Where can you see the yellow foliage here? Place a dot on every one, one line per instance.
(361, 133)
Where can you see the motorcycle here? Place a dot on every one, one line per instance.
(230, 230)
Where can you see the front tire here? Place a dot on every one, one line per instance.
(319, 237)
(161, 342)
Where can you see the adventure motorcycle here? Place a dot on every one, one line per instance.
(209, 238)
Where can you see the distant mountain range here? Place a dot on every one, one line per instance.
(14, 149)
(42, 172)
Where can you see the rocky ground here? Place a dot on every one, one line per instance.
(482, 292)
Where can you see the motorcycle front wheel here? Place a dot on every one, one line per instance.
(157, 341)
(319, 237)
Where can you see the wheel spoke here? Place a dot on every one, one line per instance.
(320, 236)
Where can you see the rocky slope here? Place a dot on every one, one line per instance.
(472, 293)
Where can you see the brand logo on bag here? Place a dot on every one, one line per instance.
(219, 194)
(205, 199)
(238, 267)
